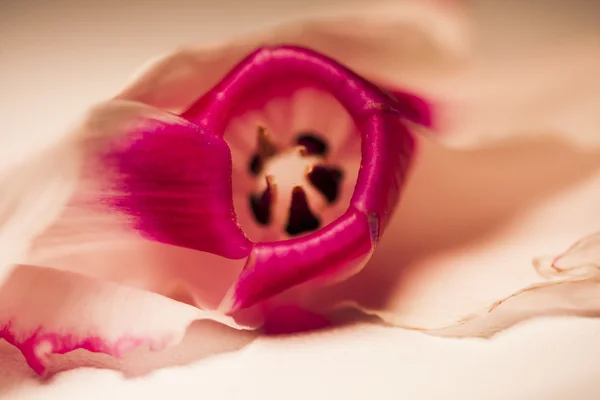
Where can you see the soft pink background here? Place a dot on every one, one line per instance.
(59, 56)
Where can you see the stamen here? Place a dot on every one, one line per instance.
(296, 169)
(260, 204)
(312, 143)
(301, 218)
(266, 148)
(326, 180)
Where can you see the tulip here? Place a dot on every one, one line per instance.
(266, 184)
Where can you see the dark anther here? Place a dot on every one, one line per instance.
(260, 204)
(312, 143)
(326, 180)
(256, 165)
(301, 219)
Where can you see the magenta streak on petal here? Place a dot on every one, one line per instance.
(174, 182)
(64, 343)
(386, 151)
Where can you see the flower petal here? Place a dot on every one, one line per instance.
(45, 312)
(582, 256)
(386, 152)
(466, 233)
(334, 252)
(174, 180)
(30, 200)
(150, 182)
(177, 80)
(572, 289)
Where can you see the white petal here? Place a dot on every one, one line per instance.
(383, 41)
(31, 195)
(47, 225)
(45, 312)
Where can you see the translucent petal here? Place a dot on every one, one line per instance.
(45, 312)
(30, 200)
(581, 258)
(457, 258)
(385, 42)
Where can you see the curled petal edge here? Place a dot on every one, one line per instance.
(571, 289)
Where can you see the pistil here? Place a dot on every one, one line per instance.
(305, 184)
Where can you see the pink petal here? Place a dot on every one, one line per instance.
(332, 253)
(150, 180)
(174, 181)
(170, 177)
(458, 256)
(45, 312)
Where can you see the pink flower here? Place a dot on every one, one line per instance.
(267, 187)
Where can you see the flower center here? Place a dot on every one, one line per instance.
(294, 185)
